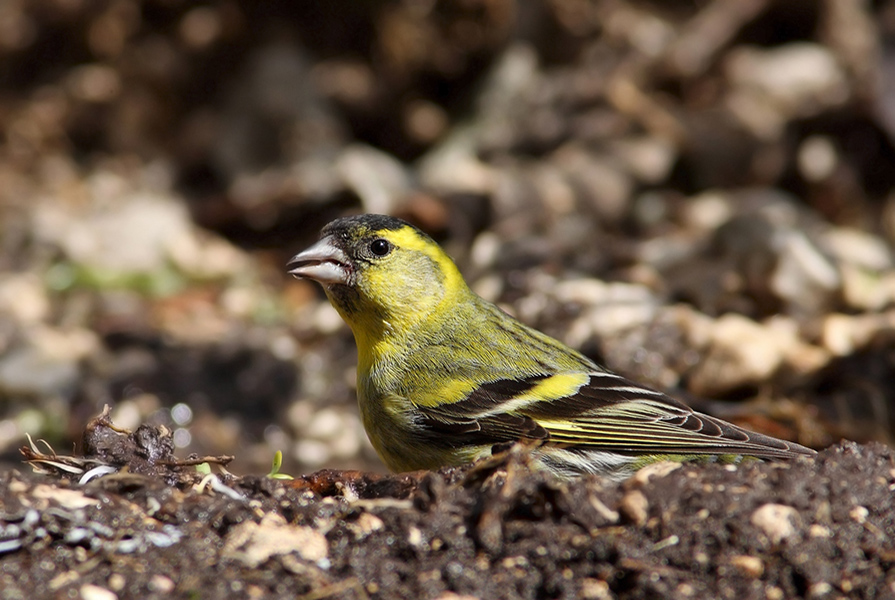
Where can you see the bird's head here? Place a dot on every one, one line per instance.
(381, 273)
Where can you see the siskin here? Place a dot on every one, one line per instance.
(445, 377)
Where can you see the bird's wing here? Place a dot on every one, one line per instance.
(482, 418)
(595, 411)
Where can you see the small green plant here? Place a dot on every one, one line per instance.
(275, 467)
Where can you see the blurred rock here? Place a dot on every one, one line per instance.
(47, 363)
(708, 210)
(123, 230)
(867, 290)
(606, 309)
(23, 297)
(275, 116)
(132, 234)
(767, 257)
(95, 592)
(817, 158)
(661, 351)
(454, 165)
(600, 183)
(860, 248)
(802, 357)
(803, 277)
(627, 328)
(649, 159)
(843, 334)
(203, 256)
(771, 86)
(740, 353)
(380, 181)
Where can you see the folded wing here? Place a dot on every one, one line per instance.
(593, 411)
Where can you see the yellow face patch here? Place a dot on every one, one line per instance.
(409, 239)
(393, 293)
(412, 281)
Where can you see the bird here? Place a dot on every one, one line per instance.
(445, 377)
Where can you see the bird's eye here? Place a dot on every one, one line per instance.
(380, 247)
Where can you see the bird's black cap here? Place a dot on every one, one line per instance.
(369, 222)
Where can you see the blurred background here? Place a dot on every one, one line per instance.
(698, 194)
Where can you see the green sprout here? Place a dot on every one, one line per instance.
(275, 467)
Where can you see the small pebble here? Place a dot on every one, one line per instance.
(775, 521)
(634, 507)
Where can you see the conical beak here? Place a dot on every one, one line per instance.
(323, 262)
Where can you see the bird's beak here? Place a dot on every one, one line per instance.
(323, 262)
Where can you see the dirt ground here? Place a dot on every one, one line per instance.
(817, 528)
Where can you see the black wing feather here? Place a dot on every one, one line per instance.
(608, 413)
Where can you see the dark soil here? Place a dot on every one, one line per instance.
(817, 528)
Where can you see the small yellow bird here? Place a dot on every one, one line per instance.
(445, 377)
